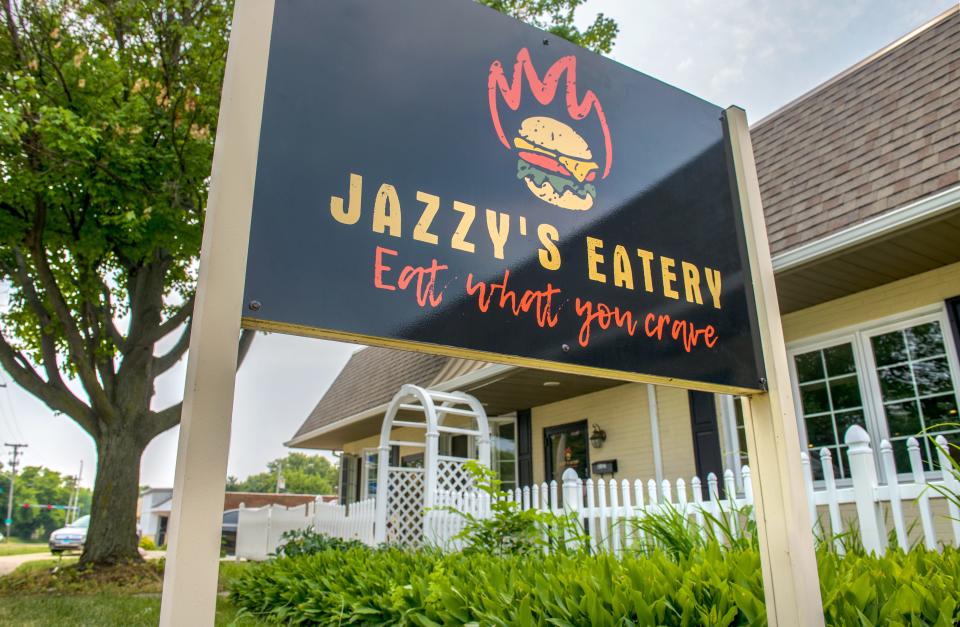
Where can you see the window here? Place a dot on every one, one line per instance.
(567, 446)
(369, 483)
(503, 451)
(897, 379)
(917, 391)
(830, 401)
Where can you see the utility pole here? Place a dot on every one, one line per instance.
(73, 506)
(281, 482)
(14, 460)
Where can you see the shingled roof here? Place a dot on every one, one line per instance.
(876, 137)
(373, 375)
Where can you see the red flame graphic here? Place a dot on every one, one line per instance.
(545, 91)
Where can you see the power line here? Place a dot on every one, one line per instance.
(14, 461)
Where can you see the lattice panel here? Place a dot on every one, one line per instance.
(405, 488)
(452, 476)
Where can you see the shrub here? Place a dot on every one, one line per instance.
(147, 544)
(511, 530)
(708, 585)
(307, 542)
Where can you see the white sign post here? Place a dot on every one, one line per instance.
(790, 581)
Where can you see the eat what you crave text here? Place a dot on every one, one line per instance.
(638, 269)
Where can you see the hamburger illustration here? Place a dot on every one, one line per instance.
(556, 163)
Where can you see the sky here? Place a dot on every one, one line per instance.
(758, 54)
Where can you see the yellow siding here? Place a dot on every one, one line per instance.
(887, 300)
(622, 413)
(676, 435)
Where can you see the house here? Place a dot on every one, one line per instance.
(860, 181)
(153, 508)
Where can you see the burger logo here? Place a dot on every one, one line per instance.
(554, 159)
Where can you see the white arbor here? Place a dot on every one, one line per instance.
(404, 493)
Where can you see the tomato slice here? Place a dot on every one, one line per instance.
(545, 162)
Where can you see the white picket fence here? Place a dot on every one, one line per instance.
(608, 510)
(259, 529)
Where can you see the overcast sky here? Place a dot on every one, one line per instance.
(759, 54)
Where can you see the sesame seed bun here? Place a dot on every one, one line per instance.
(566, 200)
(555, 135)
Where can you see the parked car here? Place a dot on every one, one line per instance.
(70, 537)
(228, 533)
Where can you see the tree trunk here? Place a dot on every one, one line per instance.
(112, 535)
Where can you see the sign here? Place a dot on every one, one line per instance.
(436, 175)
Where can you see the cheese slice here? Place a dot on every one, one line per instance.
(579, 169)
(522, 144)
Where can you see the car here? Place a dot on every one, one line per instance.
(70, 537)
(228, 535)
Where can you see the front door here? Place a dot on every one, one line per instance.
(567, 446)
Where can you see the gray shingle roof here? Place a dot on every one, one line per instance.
(877, 137)
(373, 375)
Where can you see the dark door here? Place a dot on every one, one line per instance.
(524, 448)
(706, 437)
(566, 446)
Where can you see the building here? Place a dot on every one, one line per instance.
(861, 188)
(153, 508)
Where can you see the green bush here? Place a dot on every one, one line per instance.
(147, 544)
(707, 585)
(308, 542)
(510, 529)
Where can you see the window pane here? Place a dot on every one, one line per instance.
(809, 367)
(813, 397)
(507, 473)
(903, 419)
(932, 376)
(847, 419)
(820, 431)
(845, 393)
(816, 463)
(889, 348)
(900, 457)
(839, 360)
(895, 382)
(940, 410)
(925, 340)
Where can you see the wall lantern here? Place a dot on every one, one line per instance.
(598, 437)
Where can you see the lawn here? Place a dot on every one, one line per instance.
(55, 592)
(16, 547)
(97, 609)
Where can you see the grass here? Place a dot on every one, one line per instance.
(16, 547)
(98, 609)
(56, 592)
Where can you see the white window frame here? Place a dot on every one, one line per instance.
(364, 468)
(495, 422)
(859, 336)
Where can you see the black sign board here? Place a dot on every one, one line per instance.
(433, 174)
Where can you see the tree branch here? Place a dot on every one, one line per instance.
(174, 322)
(168, 418)
(57, 397)
(75, 344)
(169, 359)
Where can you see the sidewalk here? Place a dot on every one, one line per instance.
(9, 563)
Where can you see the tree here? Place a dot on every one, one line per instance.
(107, 116)
(302, 474)
(108, 110)
(557, 17)
(36, 486)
